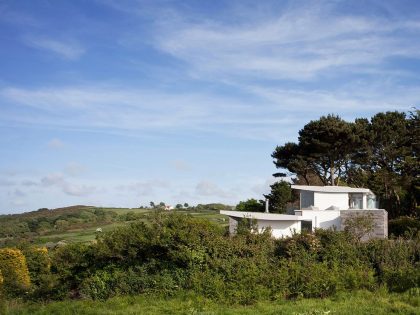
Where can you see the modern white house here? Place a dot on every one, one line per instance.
(319, 207)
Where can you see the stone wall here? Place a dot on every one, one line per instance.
(233, 225)
(380, 221)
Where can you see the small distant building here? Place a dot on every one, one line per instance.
(319, 207)
(168, 208)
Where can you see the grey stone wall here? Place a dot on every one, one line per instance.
(233, 224)
(380, 221)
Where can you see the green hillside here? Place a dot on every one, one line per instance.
(80, 223)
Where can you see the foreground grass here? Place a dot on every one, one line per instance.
(361, 302)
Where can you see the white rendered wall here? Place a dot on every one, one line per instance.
(326, 200)
(321, 218)
(280, 228)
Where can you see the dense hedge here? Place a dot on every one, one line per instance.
(404, 225)
(178, 252)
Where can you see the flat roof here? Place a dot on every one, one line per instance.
(332, 189)
(261, 215)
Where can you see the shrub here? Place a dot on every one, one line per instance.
(14, 270)
(402, 279)
(38, 261)
(311, 280)
(402, 225)
(396, 262)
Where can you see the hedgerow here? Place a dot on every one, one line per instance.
(181, 253)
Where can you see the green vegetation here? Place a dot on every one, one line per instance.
(174, 254)
(361, 302)
(80, 223)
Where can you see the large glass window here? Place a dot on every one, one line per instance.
(355, 201)
(371, 202)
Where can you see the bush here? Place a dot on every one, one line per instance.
(396, 262)
(403, 225)
(311, 280)
(402, 279)
(178, 252)
(14, 270)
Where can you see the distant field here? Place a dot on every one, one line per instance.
(77, 235)
(88, 234)
(357, 303)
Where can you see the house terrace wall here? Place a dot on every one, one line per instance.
(380, 221)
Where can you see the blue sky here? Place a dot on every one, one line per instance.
(118, 103)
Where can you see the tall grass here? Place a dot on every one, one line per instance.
(359, 302)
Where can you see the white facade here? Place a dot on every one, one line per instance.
(335, 197)
(326, 200)
(320, 207)
(280, 229)
(323, 219)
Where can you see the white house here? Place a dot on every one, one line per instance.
(319, 207)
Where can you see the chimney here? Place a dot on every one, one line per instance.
(266, 205)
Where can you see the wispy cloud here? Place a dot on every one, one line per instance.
(259, 116)
(57, 180)
(209, 189)
(300, 43)
(145, 188)
(67, 50)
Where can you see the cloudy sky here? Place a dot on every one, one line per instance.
(118, 103)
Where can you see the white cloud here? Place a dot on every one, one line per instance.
(53, 179)
(209, 189)
(77, 190)
(181, 165)
(18, 202)
(58, 180)
(112, 109)
(300, 43)
(6, 182)
(145, 188)
(74, 169)
(28, 182)
(55, 144)
(67, 50)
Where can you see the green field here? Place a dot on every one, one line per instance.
(361, 302)
(88, 234)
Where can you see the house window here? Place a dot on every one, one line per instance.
(371, 202)
(306, 226)
(306, 199)
(355, 201)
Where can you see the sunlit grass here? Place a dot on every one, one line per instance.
(361, 302)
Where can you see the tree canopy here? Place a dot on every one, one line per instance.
(380, 154)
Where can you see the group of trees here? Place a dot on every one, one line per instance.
(380, 154)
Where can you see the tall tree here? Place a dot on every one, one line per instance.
(279, 197)
(324, 149)
(390, 157)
